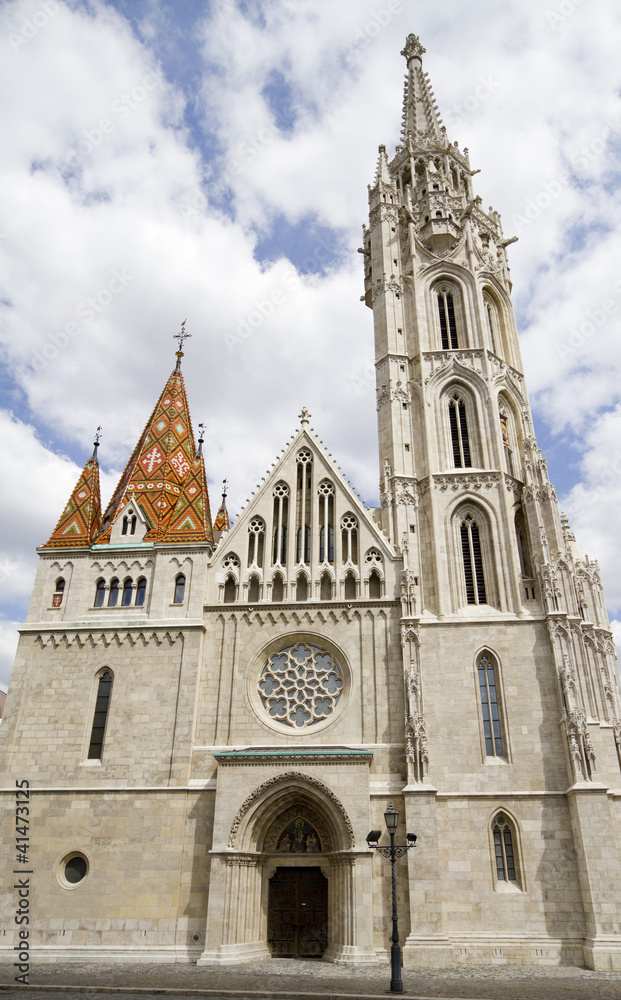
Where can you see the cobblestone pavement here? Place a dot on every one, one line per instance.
(307, 980)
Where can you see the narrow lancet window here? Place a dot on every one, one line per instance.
(326, 522)
(504, 850)
(280, 523)
(126, 599)
(326, 587)
(490, 709)
(100, 593)
(256, 539)
(350, 587)
(253, 590)
(301, 587)
(141, 590)
(375, 585)
(448, 326)
(59, 590)
(101, 716)
(113, 595)
(473, 561)
(277, 588)
(303, 507)
(179, 589)
(230, 589)
(459, 433)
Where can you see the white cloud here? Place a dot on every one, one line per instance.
(116, 213)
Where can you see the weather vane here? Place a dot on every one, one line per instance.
(225, 483)
(181, 336)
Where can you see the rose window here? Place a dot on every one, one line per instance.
(301, 685)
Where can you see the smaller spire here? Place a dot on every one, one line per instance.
(222, 523)
(80, 522)
(420, 111)
(181, 336)
(96, 444)
(382, 174)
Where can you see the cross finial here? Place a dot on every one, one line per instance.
(304, 417)
(225, 483)
(181, 336)
(96, 443)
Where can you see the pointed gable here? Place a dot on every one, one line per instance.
(164, 476)
(80, 522)
(275, 511)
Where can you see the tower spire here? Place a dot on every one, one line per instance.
(165, 475)
(80, 522)
(420, 111)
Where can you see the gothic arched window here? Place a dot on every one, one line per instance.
(448, 323)
(325, 587)
(326, 521)
(278, 589)
(473, 561)
(505, 850)
(489, 695)
(349, 539)
(303, 506)
(179, 589)
(100, 717)
(113, 594)
(256, 541)
(141, 590)
(301, 587)
(253, 589)
(280, 523)
(59, 590)
(459, 432)
(126, 598)
(375, 585)
(230, 589)
(350, 587)
(100, 593)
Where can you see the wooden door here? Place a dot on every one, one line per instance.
(297, 915)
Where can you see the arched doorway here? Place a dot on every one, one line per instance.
(290, 881)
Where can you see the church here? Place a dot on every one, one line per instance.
(210, 718)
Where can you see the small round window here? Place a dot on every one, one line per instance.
(73, 870)
(300, 686)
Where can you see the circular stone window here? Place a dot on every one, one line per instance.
(73, 869)
(300, 686)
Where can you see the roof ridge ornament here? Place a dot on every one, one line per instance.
(181, 336)
(304, 417)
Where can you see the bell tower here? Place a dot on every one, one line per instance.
(495, 592)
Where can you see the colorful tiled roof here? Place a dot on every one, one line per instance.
(164, 475)
(80, 522)
(190, 520)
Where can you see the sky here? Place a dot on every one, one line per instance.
(209, 161)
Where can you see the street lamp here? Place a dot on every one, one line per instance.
(391, 818)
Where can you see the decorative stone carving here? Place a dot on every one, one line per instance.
(290, 776)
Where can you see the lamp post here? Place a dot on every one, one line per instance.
(391, 818)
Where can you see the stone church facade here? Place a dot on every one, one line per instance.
(211, 719)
